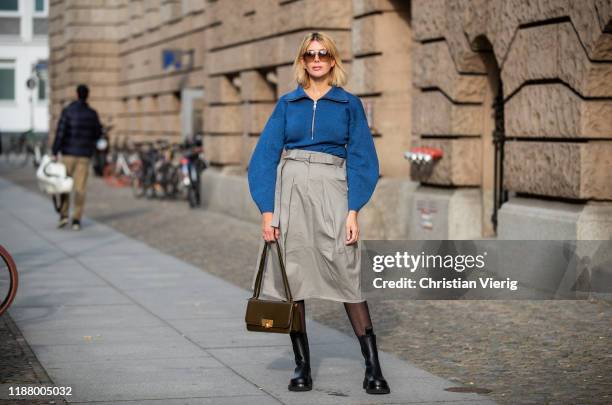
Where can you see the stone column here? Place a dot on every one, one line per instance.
(84, 49)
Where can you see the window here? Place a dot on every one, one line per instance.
(40, 26)
(40, 70)
(9, 5)
(10, 21)
(42, 89)
(10, 25)
(41, 8)
(7, 80)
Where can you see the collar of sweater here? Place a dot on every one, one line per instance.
(335, 94)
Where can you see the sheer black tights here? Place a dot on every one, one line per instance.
(358, 313)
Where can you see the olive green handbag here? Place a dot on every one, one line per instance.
(269, 315)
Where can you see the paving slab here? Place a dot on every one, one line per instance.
(99, 334)
(121, 322)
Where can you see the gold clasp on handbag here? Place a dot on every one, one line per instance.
(267, 323)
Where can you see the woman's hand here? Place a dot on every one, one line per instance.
(352, 228)
(269, 232)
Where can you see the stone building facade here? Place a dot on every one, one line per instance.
(455, 75)
(536, 77)
(116, 47)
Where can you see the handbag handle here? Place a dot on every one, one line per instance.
(259, 279)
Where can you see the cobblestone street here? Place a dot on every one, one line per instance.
(527, 352)
(18, 365)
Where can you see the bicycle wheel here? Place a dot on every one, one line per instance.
(124, 180)
(192, 197)
(138, 186)
(8, 280)
(108, 172)
(171, 183)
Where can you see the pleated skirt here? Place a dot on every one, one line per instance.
(310, 210)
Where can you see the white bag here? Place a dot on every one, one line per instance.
(52, 178)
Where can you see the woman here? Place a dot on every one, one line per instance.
(310, 197)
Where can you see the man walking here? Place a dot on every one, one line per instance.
(78, 130)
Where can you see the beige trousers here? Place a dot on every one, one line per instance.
(310, 210)
(78, 168)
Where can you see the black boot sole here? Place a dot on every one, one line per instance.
(378, 392)
(375, 391)
(300, 387)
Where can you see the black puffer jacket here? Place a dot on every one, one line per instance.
(78, 130)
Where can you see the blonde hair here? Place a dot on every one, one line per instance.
(337, 74)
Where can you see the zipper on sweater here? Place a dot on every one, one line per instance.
(314, 111)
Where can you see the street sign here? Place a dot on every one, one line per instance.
(171, 58)
(177, 59)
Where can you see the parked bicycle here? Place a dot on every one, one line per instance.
(36, 147)
(192, 165)
(26, 148)
(159, 173)
(124, 163)
(8, 280)
(16, 146)
(158, 169)
(143, 180)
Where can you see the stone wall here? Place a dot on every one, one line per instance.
(381, 75)
(554, 59)
(248, 66)
(115, 47)
(242, 57)
(83, 41)
(149, 92)
(427, 71)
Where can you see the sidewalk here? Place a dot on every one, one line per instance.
(119, 321)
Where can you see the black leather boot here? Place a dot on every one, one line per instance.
(301, 380)
(373, 382)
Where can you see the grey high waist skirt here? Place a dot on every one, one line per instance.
(311, 205)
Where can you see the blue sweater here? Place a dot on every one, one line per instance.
(335, 124)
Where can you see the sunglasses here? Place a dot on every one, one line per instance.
(324, 55)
